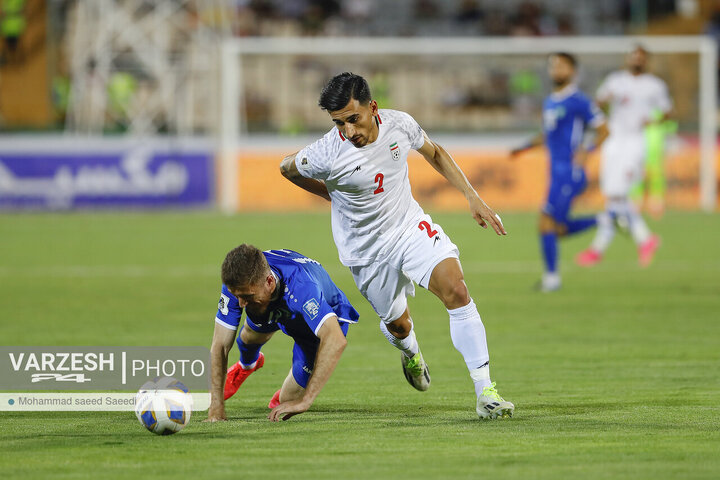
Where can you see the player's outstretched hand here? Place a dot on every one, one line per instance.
(287, 409)
(485, 216)
(515, 152)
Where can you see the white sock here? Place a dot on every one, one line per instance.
(408, 345)
(248, 367)
(468, 335)
(638, 228)
(481, 378)
(605, 232)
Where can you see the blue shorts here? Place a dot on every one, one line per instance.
(304, 351)
(563, 190)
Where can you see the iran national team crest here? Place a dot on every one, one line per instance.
(395, 151)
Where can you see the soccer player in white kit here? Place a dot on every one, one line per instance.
(633, 96)
(383, 235)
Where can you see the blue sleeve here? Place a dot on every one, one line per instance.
(229, 312)
(590, 112)
(311, 303)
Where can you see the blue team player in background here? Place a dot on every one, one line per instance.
(567, 114)
(279, 290)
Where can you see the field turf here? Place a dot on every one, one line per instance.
(615, 376)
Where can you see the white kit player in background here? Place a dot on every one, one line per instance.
(383, 235)
(632, 96)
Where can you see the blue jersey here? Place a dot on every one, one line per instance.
(308, 298)
(566, 116)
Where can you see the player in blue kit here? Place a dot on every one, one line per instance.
(279, 290)
(567, 114)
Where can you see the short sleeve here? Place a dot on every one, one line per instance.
(229, 312)
(315, 160)
(591, 114)
(413, 130)
(604, 91)
(311, 304)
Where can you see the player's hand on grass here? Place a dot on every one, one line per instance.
(216, 414)
(485, 216)
(288, 409)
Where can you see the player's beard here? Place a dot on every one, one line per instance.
(637, 69)
(560, 82)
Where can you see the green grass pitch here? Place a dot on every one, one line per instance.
(615, 376)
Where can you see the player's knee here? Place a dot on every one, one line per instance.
(251, 337)
(400, 328)
(457, 295)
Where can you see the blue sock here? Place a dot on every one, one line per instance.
(548, 242)
(249, 353)
(577, 225)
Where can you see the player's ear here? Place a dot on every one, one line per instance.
(373, 107)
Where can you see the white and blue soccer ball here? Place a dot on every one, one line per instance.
(163, 405)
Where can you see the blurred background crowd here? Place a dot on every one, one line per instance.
(150, 67)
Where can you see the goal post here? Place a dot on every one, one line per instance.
(236, 68)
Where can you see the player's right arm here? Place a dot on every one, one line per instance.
(289, 170)
(604, 94)
(222, 342)
(535, 141)
(332, 344)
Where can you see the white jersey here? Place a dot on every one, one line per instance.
(633, 99)
(372, 204)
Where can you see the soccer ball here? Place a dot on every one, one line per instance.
(163, 405)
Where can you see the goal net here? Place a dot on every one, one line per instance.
(479, 97)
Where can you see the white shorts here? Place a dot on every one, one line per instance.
(387, 282)
(623, 164)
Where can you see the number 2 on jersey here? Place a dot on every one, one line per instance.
(379, 180)
(426, 226)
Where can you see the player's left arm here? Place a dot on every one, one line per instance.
(441, 161)
(332, 344)
(601, 134)
(662, 110)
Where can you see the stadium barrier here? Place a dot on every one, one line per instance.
(69, 173)
(503, 183)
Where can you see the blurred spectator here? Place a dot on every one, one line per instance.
(496, 23)
(459, 17)
(317, 14)
(469, 12)
(121, 89)
(527, 20)
(565, 25)
(329, 8)
(313, 20)
(358, 10)
(246, 22)
(264, 9)
(292, 9)
(426, 10)
(12, 25)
